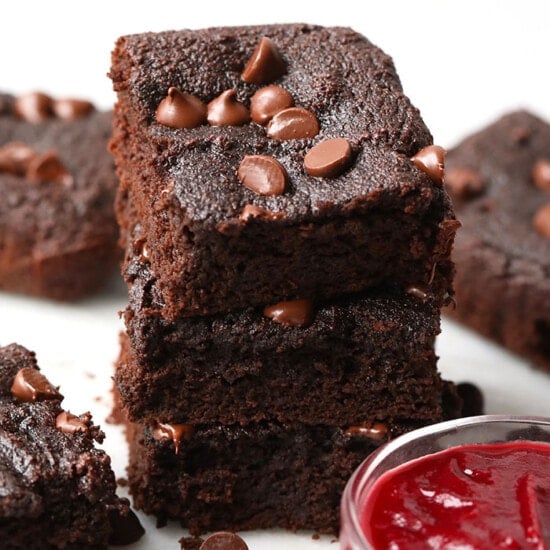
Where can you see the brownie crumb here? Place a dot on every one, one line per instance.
(190, 543)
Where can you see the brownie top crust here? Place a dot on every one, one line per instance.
(348, 84)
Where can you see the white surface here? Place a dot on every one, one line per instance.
(462, 64)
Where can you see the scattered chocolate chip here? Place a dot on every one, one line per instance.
(541, 174)
(174, 432)
(225, 110)
(262, 174)
(431, 160)
(125, 527)
(141, 250)
(224, 540)
(267, 102)
(69, 423)
(541, 220)
(48, 167)
(31, 385)
(293, 123)
(253, 211)
(418, 292)
(265, 64)
(292, 313)
(71, 109)
(472, 399)
(329, 158)
(179, 110)
(464, 183)
(376, 431)
(15, 158)
(33, 107)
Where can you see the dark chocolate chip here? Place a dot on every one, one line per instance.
(48, 167)
(253, 211)
(541, 220)
(179, 110)
(15, 158)
(265, 64)
(262, 174)
(328, 158)
(464, 183)
(431, 160)
(33, 107)
(174, 432)
(521, 135)
(224, 540)
(541, 174)
(293, 123)
(141, 250)
(225, 110)
(267, 102)
(292, 313)
(418, 292)
(31, 385)
(69, 423)
(72, 109)
(376, 431)
(472, 399)
(125, 527)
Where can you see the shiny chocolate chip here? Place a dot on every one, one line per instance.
(33, 107)
(69, 423)
(178, 110)
(541, 174)
(293, 123)
(15, 158)
(223, 540)
(418, 293)
(72, 109)
(265, 64)
(173, 432)
(225, 110)
(541, 220)
(48, 167)
(262, 174)
(472, 399)
(376, 431)
(292, 313)
(253, 211)
(328, 158)
(464, 183)
(269, 101)
(431, 160)
(30, 384)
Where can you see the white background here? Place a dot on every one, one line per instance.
(462, 63)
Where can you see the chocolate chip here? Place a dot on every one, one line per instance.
(418, 292)
(31, 385)
(141, 250)
(72, 109)
(225, 110)
(125, 527)
(521, 135)
(33, 107)
(267, 102)
(15, 158)
(69, 423)
(48, 167)
(253, 211)
(265, 64)
(541, 220)
(376, 431)
(262, 174)
(541, 174)
(431, 160)
(179, 110)
(464, 183)
(224, 540)
(292, 313)
(472, 399)
(174, 432)
(329, 158)
(293, 123)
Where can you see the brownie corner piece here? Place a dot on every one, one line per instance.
(57, 488)
(499, 179)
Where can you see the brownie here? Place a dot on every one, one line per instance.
(215, 239)
(369, 355)
(500, 181)
(58, 233)
(57, 490)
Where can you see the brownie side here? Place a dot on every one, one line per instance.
(57, 489)
(503, 263)
(58, 239)
(188, 198)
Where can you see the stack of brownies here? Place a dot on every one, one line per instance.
(287, 244)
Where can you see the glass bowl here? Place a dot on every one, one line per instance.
(421, 442)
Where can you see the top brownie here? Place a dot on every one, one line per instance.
(341, 222)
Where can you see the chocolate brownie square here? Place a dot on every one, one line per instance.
(58, 233)
(57, 490)
(322, 201)
(500, 181)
